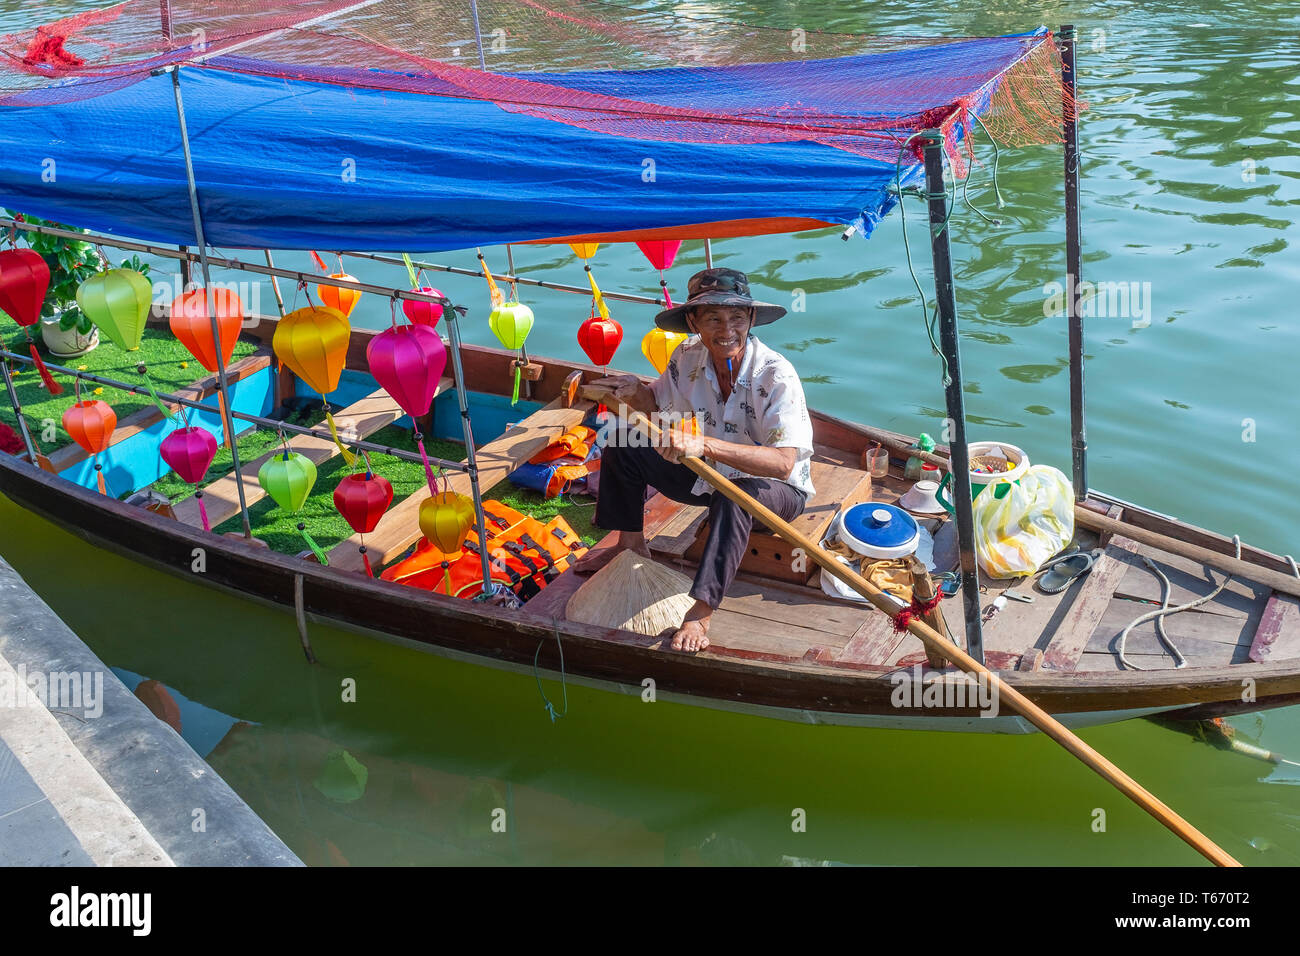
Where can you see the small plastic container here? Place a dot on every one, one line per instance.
(876, 462)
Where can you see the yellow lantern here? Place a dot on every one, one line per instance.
(313, 342)
(445, 520)
(658, 346)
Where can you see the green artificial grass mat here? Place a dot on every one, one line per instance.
(326, 526)
(170, 366)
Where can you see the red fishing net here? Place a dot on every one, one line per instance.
(600, 66)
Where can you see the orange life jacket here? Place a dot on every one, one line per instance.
(524, 555)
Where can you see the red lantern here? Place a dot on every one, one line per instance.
(24, 281)
(91, 425)
(190, 323)
(362, 501)
(600, 338)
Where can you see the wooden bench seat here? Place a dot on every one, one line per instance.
(358, 421)
(400, 527)
(674, 530)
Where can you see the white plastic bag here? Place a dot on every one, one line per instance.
(1033, 520)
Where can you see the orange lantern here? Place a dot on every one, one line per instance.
(344, 300)
(313, 342)
(91, 424)
(190, 323)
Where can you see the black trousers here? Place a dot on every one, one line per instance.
(625, 471)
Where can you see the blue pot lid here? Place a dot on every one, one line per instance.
(880, 526)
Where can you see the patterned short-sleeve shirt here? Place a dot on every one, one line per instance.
(766, 406)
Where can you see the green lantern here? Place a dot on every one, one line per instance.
(118, 301)
(510, 323)
(289, 478)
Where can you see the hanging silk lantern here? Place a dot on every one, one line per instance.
(408, 361)
(445, 520)
(288, 478)
(661, 254)
(600, 339)
(24, 282)
(658, 346)
(190, 323)
(362, 501)
(118, 301)
(189, 452)
(91, 424)
(510, 323)
(423, 313)
(343, 300)
(313, 342)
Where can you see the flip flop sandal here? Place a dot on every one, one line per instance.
(1063, 573)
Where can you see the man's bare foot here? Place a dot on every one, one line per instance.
(597, 558)
(692, 635)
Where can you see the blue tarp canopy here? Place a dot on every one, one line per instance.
(307, 164)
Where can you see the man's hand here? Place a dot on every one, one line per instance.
(674, 444)
(629, 390)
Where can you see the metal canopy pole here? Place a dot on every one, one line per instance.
(18, 412)
(478, 35)
(209, 302)
(959, 454)
(242, 416)
(1073, 267)
(453, 333)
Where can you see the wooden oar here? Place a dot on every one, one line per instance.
(936, 642)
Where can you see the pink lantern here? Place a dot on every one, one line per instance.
(189, 453)
(423, 313)
(661, 254)
(408, 362)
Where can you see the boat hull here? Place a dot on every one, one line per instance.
(616, 660)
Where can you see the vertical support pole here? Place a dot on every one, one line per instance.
(18, 412)
(708, 254)
(275, 285)
(478, 36)
(959, 454)
(453, 333)
(165, 19)
(1073, 267)
(222, 384)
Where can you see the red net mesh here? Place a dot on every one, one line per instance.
(539, 57)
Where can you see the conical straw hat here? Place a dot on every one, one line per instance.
(633, 593)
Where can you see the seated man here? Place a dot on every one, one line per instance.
(753, 427)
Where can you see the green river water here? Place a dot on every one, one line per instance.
(1190, 183)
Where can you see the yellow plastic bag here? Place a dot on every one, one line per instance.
(1033, 520)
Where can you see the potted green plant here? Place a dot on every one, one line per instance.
(65, 329)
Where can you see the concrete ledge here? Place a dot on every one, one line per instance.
(150, 776)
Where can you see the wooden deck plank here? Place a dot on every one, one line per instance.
(1278, 635)
(1091, 599)
(399, 528)
(357, 421)
(1204, 640)
(1189, 581)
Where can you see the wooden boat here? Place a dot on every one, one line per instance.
(780, 647)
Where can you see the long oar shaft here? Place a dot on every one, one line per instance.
(938, 643)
